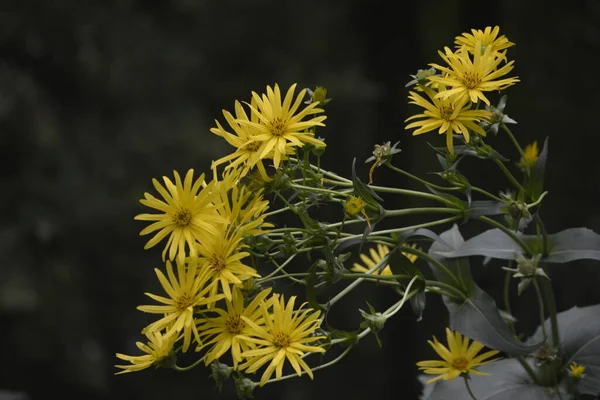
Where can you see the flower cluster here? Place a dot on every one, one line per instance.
(207, 226)
(477, 65)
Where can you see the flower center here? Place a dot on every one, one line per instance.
(216, 263)
(460, 363)
(183, 302)
(254, 146)
(277, 127)
(235, 324)
(281, 340)
(471, 80)
(446, 112)
(182, 217)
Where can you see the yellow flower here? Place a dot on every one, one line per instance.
(488, 38)
(286, 335)
(447, 117)
(457, 359)
(470, 78)
(280, 123)
(229, 325)
(158, 350)
(354, 206)
(576, 371)
(531, 155)
(221, 258)
(376, 257)
(244, 210)
(185, 292)
(188, 214)
(247, 153)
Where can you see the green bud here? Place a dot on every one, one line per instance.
(320, 96)
(244, 387)
(220, 373)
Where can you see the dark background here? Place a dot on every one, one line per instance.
(96, 98)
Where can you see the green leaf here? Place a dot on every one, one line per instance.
(362, 190)
(418, 303)
(484, 207)
(452, 239)
(507, 381)
(568, 245)
(535, 186)
(573, 244)
(479, 319)
(310, 290)
(350, 337)
(477, 316)
(579, 331)
(492, 243)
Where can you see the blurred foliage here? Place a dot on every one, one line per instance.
(98, 97)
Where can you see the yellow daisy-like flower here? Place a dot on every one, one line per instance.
(247, 154)
(188, 214)
(229, 325)
(576, 371)
(457, 359)
(281, 124)
(447, 117)
(469, 78)
(244, 210)
(531, 153)
(377, 256)
(158, 349)
(488, 38)
(188, 290)
(286, 335)
(221, 258)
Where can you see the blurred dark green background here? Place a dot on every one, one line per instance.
(96, 98)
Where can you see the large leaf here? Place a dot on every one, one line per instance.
(492, 243)
(573, 244)
(507, 381)
(452, 240)
(568, 245)
(477, 316)
(579, 332)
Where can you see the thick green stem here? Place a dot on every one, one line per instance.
(506, 295)
(409, 228)
(549, 297)
(529, 370)
(510, 233)
(541, 307)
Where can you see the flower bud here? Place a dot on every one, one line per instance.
(244, 388)
(220, 373)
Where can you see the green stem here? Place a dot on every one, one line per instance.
(319, 190)
(183, 369)
(541, 306)
(422, 210)
(430, 196)
(485, 193)
(465, 377)
(506, 294)
(375, 277)
(529, 370)
(509, 175)
(510, 233)
(449, 290)
(409, 228)
(513, 139)
(431, 260)
(549, 297)
(420, 180)
(279, 268)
